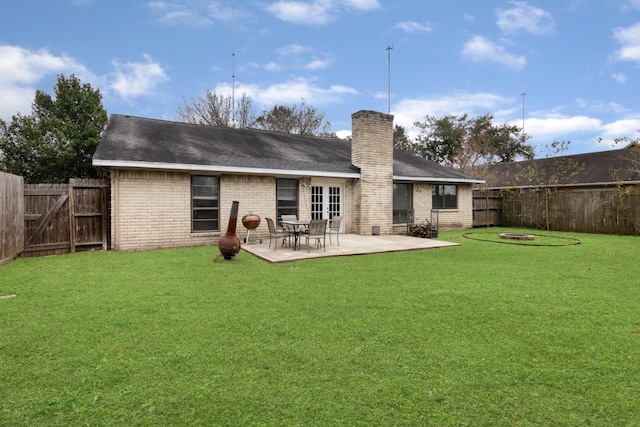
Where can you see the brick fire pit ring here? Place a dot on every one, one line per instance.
(517, 236)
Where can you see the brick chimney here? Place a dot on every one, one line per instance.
(372, 152)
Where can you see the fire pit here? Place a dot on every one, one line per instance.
(517, 236)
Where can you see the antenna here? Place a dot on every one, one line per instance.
(389, 49)
(523, 94)
(233, 65)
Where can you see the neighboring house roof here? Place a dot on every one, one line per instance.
(599, 169)
(135, 142)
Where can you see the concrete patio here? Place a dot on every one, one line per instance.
(350, 244)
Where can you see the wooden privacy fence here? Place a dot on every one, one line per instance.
(589, 211)
(487, 208)
(11, 216)
(61, 218)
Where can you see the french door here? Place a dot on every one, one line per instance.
(326, 201)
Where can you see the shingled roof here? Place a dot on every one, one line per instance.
(598, 169)
(135, 142)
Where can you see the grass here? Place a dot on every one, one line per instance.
(483, 334)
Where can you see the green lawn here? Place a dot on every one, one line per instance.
(483, 334)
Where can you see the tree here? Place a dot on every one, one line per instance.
(543, 175)
(465, 143)
(401, 139)
(218, 110)
(629, 169)
(299, 119)
(57, 141)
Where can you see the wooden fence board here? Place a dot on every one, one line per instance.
(589, 211)
(62, 218)
(11, 214)
(487, 208)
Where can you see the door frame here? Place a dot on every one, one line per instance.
(326, 202)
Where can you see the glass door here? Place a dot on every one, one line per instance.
(326, 201)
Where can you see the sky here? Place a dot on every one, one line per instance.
(566, 70)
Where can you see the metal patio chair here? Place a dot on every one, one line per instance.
(275, 234)
(317, 231)
(334, 228)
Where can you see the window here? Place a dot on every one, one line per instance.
(444, 196)
(287, 197)
(204, 204)
(402, 203)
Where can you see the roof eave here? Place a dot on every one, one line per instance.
(434, 179)
(220, 169)
(581, 184)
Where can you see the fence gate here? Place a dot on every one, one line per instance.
(61, 218)
(487, 208)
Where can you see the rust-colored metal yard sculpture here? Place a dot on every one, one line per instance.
(229, 244)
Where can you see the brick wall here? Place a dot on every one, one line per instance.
(372, 152)
(152, 209)
(462, 217)
(256, 194)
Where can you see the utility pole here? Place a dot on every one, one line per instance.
(389, 49)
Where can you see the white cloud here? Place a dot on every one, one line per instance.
(361, 4)
(192, 13)
(544, 127)
(408, 111)
(292, 49)
(525, 18)
(601, 107)
(479, 49)
(620, 78)
(21, 70)
(291, 92)
(413, 27)
(317, 12)
(317, 64)
(135, 79)
(299, 12)
(629, 40)
(176, 13)
(622, 128)
(552, 127)
(273, 67)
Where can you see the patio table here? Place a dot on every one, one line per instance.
(296, 225)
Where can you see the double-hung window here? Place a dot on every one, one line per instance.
(205, 211)
(444, 196)
(402, 202)
(287, 197)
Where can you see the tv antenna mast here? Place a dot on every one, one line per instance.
(523, 94)
(389, 49)
(233, 64)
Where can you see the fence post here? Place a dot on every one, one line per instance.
(72, 220)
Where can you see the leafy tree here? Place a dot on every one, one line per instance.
(401, 139)
(218, 110)
(299, 119)
(465, 143)
(57, 141)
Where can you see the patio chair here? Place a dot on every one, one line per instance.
(288, 228)
(334, 228)
(317, 231)
(276, 234)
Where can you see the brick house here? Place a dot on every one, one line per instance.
(172, 183)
